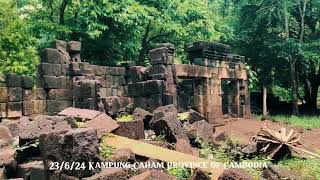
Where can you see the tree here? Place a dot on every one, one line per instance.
(17, 46)
(112, 31)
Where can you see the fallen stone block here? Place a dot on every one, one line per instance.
(13, 80)
(8, 160)
(131, 129)
(55, 119)
(183, 146)
(201, 129)
(194, 116)
(154, 101)
(77, 145)
(122, 155)
(31, 130)
(14, 109)
(140, 102)
(142, 115)
(4, 94)
(111, 105)
(13, 127)
(103, 124)
(31, 170)
(79, 113)
(199, 175)
(153, 174)
(6, 138)
(234, 174)
(15, 94)
(165, 121)
(109, 174)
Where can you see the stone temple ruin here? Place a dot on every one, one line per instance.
(68, 113)
(214, 84)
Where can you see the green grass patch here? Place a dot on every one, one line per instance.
(125, 118)
(307, 122)
(105, 151)
(307, 168)
(180, 173)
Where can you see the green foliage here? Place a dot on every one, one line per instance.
(105, 151)
(113, 31)
(160, 137)
(17, 46)
(183, 116)
(205, 151)
(181, 173)
(307, 168)
(125, 118)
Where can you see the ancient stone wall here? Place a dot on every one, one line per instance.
(214, 84)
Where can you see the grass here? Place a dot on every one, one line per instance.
(307, 122)
(307, 168)
(105, 151)
(125, 118)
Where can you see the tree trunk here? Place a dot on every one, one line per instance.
(293, 86)
(144, 45)
(264, 101)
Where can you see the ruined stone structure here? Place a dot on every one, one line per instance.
(214, 84)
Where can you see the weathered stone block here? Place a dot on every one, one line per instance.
(34, 94)
(31, 170)
(3, 110)
(45, 69)
(111, 105)
(140, 102)
(142, 115)
(27, 82)
(156, 69)
(14, 109)
(65, 69)
(85, 89)
(15, 94)
(55, 106)
(88, 103)
(78, 145)
(201, 129)
(165, 121)
(161, 55)
(65, 82)
(31, 130)
(80, 113)
(51, 82)
(136, 89)
(6, 138)
(60, 94)
(132, 129)
(74, 46)
(32, 107)
(56, 69)
(4, 94)
(49, 55)
(103, 124)
(154, 87)
(13, 80)
(154, 101)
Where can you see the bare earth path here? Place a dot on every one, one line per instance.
(243, 129)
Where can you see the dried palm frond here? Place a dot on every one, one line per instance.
(274, 143)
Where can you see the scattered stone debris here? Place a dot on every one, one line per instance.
(152, 174)
(131, 129)
(103, 124)
(234, 174)
(201, 129)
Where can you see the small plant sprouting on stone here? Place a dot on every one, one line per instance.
(160, 137)
(183, 116)
(105, 151)
(125, 118)
(205, 150)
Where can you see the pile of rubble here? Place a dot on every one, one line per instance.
(35, 147)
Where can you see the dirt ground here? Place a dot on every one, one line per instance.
(242, 130)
